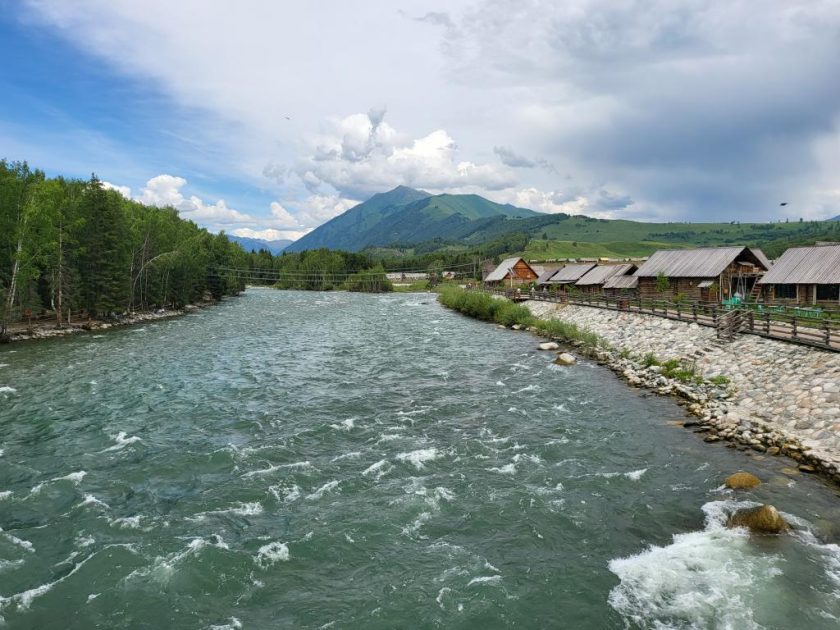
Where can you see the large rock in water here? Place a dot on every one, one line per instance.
(564, 358)
(764, 519)
(742, 481)
(549, 345)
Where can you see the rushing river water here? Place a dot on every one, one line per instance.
(350, 461)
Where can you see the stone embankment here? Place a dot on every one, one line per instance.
(42, 330)
(770, 396)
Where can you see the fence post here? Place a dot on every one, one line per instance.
(714, 314)
(679, 311)
(827, 334)
(694, 311)
(751, 316)
(766, 322)
(793, 321)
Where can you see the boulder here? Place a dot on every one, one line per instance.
(564, 358)
(764, 519)
(549, 345)
(742, 481)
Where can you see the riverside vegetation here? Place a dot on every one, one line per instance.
(75, 248)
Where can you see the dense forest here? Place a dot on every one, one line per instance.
(74, 249)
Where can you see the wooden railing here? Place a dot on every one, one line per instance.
(764, 320)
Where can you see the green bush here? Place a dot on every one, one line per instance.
(482, 306)
(649, 360)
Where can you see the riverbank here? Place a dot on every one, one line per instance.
(21, 331)
(756, 393)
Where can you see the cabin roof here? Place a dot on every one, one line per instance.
(601, 273)
(570, 273)
(703, 262)
(545, 276)
(806, 265)
(621, 281)
(505, 267)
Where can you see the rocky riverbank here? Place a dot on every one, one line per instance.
(760, 394)
(48, 330)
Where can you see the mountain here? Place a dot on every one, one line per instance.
(256, 244)
(837, 218)
(406, 216)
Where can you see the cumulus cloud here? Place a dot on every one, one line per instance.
(165, 190)
(362, 154)
(125, 191)
(270, 234)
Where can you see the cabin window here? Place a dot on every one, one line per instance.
(828, 292)
(785, 291)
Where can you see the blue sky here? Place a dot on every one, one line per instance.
(267, 119)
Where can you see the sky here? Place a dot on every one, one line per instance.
(268, 118)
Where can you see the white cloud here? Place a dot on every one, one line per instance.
(165, 190)
(281, 217)
(318, 209)
(125, 191)
(270, 234)
(362, 155)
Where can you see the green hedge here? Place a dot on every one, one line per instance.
(482, 306)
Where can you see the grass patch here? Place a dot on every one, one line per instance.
(484, 307)
(719, 379)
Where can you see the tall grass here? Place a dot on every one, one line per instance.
(486, 308)
(483, 306)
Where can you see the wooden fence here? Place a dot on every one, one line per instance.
(764, 320)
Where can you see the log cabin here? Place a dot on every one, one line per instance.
(804, 275)
(593, 281)
(512, 272)
(708, 274)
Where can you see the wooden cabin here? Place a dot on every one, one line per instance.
(593, 280)
(621, 284)
(512, 272)
(567, 275)
(804, 275)
(709, 274)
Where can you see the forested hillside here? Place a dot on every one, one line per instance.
(72, 247)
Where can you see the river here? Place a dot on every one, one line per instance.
(316, 460)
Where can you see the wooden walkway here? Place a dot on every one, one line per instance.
(752, 319)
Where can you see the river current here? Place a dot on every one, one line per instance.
(332, 460)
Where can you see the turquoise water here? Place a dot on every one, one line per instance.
(335, 460)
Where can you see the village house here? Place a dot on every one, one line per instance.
(709, 274)
(621, 285)
(804, 275)
(567, 275)
(593, 281)
(512, 272)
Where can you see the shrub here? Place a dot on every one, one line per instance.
(650, 359)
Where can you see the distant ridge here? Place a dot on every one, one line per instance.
(405, 215)
(256, 244)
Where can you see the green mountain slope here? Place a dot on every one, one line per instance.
(406, 216)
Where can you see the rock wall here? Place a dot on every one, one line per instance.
(782, 395)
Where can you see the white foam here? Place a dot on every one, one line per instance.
(507, 469)
(2, 365)
(351, 455)
(635, 475)
(92, 596)
(92, 500)
(240, 509)
(285, 494)
(708, 578)
(5, 494)
(272, 553)
(420, 457)
(233, 624)
(345, 425)
(528, 388)
(24, 600)
(320, 492)
(122, 440)
(378, 470)
(276, 467)
(485, 579)
(23, 544)
(127, 522)
(5, 389)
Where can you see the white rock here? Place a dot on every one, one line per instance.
(549, 345)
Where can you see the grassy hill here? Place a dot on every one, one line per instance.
(405, 222)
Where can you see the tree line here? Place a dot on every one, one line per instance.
(71, 248)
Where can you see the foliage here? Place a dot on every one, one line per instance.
(567, 331)
(662, 283)
(719, 379)
(371, 280)
(484, 307)
(71, 246)
(650, 360)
